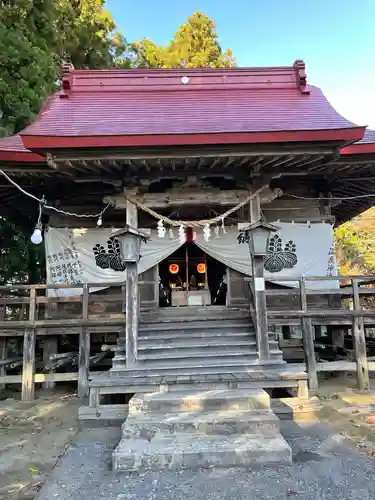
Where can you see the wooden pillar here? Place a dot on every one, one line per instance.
(261, 322)
(84, 348)
(3, 355)
(359, 341)
(49, 346)
(132, 296)
(127, 349)
(3, 348)
(308, 340)
(259, 290)
(28, 368)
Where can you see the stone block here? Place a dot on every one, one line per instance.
(181, 452)
(214, 400)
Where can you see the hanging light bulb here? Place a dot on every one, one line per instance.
(37, 236)
(161, 229)
(181, 234)
(99, 222)
(207, 232)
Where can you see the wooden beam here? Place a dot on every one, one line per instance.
(3, 355)
(197, 152)
(308, 340)
(359, 341)
(193, 195)
(28, 368)
(84, 348)
(132, 297)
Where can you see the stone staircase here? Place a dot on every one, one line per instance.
(190, 349)
(195, 340)
(222, 428)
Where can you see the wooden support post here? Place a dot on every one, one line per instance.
(3, 347)
(49, 348)
(359, 341)
(132, 315)
(259, 291)
(3, 355)
(308, 340)
(127, 350)
(132, 297)
(261, 323)
(28, 369)
(84, 348)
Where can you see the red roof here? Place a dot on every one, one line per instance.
(197, 106)
(365, 145)
(13, 149)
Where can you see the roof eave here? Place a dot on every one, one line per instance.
(21, 157)
(355, 149)
(46, 143)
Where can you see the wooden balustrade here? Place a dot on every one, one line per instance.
(355, 316)
(26, 312)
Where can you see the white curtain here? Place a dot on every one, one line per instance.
(70, 256)
(309, 250)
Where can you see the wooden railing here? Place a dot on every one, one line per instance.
(28, 311)
(356, 315)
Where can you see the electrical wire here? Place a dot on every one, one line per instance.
(42, 202)
(99, 214)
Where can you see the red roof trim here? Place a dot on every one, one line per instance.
(49, 142)
(26, 157)
(354, 149)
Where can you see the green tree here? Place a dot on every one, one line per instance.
(355, 244)
(36, 36)
(86, 35)
(27, 67)
(195, 45)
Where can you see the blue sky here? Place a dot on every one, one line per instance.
(336, 39)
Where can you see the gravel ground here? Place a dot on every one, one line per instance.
(325, 467)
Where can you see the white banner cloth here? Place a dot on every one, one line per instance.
(295, 250)
(70, 257)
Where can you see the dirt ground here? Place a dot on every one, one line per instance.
(34, 435)
(32, 438)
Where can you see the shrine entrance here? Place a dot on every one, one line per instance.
(190, 277)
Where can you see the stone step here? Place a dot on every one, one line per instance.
(198, 343)
(198, 334)
(261, 373)
(180, 314)
(191, 339)
(179, 451)
(194, 354)
(220, 400)
(208, 367)
(223, 422)
(198, 326)
(181, 359)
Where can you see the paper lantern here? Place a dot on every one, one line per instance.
(201, 268)
(174, 268)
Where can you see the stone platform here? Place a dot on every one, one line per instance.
(217, 428)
